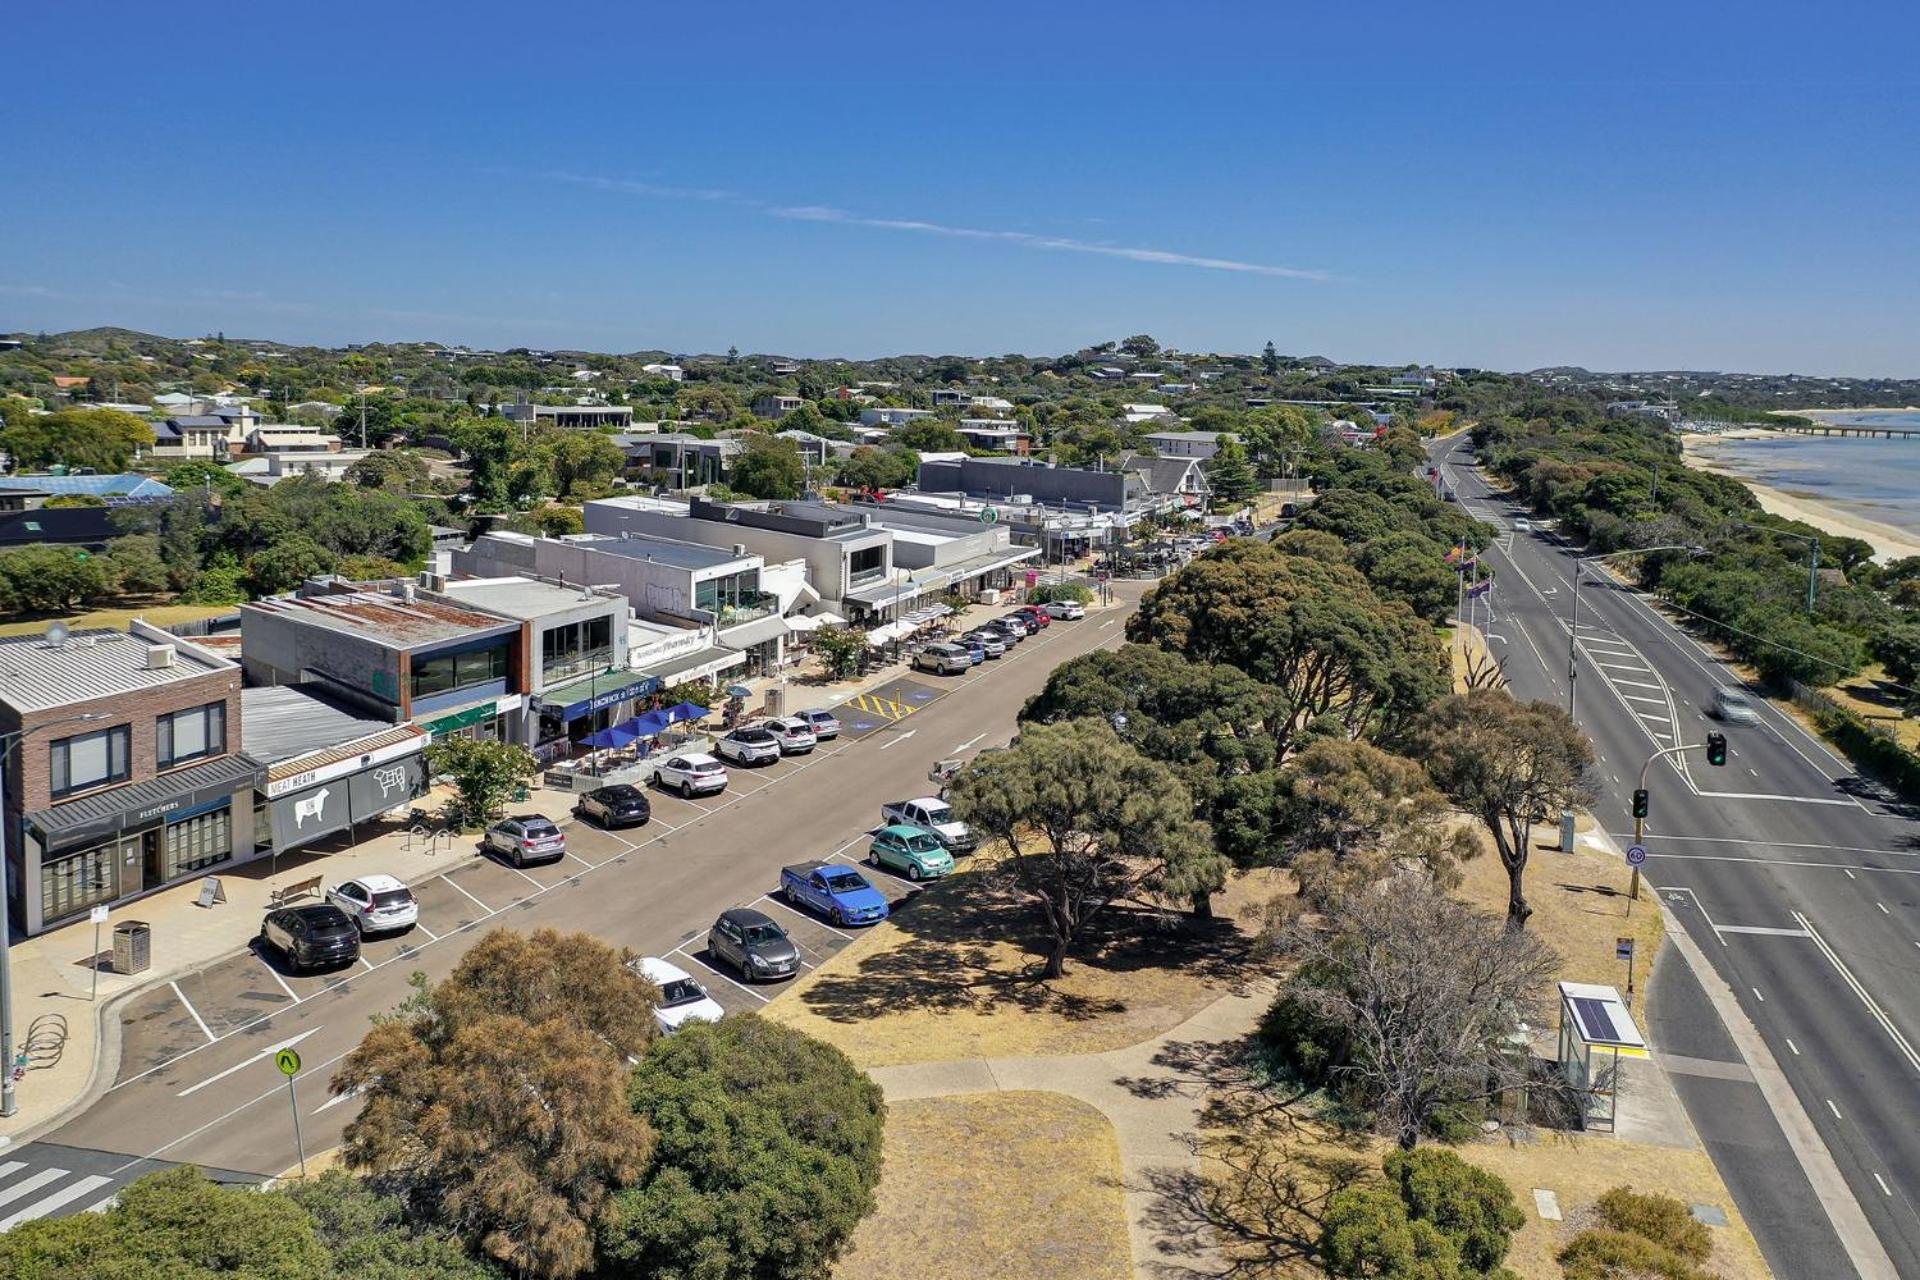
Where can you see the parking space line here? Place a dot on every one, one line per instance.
(422, 928)
(577, 858)
(714, 969)
(368, 963)
(197, 1019)
(517, 871)
(448, 878)
(277, 978)
(788, 907)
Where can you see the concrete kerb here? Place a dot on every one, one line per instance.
(1857, 1237)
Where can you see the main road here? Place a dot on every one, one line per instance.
(196, 1079)
(1793, 876)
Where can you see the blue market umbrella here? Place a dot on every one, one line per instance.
(648, 725)
(618, 736)
(685, 711)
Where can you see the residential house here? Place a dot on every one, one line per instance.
(681, 461)
(888, 416)
(575, 417)
(116, 490)
(1186, 444)
(1181, 480)
(128, 776)
(284, 437)
(776, 406)
(995, 434)
(669, 372)
(1136, 413)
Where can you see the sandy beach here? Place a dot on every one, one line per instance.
(1888, 543)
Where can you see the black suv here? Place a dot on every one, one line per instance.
(311, 937)
(617, 806)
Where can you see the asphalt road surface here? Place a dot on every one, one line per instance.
(196, 1080)
(1795, 877)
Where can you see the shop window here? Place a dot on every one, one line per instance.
(458, 671)
(73, 882)
(90, 759)
(192, 735)
(199, 841)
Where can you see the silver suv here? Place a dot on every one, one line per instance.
(945, 659)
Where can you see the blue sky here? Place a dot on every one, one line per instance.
(1629, 186)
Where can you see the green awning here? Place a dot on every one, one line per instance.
(584, 697)
(461, 719)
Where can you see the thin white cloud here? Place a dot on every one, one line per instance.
(915, 226)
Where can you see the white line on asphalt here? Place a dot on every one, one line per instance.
(1834, 1109)
(523, 875)
(275, 975)
(336, 1100)
(430, 933)
(244, 1063)
(1786, 862)
(1638, 684)
(577, 858)
(1791, 1045)
(1641, 697)
(274, 1092)
(11, 1167)
(784, 905)
(368, 963)
(1699, 906)
(1873, 1007)
(101, 1206)
(40, 1208)
(1779, 844)
(1883, 908)
(448, 878)
(1850, 874)
(1768, 795)
(31, 1184)
(1647, 715)
(968, 743)
(1621, 666)
(1884, 1188)
(197, 1019)
(897, 739)
(714, 969)
(1756, 992)
(1764, 930)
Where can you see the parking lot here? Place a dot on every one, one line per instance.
(237, 994)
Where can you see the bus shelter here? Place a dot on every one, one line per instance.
(1596, 1031)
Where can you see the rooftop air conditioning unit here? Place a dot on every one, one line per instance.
(160, 657)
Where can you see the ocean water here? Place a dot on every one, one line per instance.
(1878, 479)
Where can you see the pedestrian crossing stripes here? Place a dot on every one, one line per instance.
(47, 1180)
(886, 708)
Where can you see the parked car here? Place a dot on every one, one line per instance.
(944, 659)
(835, 890)
(1734, 706)
(749, 744)
(692, 774)
(795, 735)
(914, 852)
(682, 998)
(930, 813)
(620, 805)
(752, 943)
(992, 643)
(1034, 616)
(524, 838)
(1013, 622)
(1067, 609)
(1010, 634)
(825, 727)
(311, 937)
(376, 904)
(975, 650)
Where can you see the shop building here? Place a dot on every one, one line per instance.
(125, 773)
(326, 767)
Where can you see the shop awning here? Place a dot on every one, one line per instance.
(696, 665)
(584, 697)
(144, 804)
(759, 631)
(461, 719)
(889, 633)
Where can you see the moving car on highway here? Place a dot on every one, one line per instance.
(620, 805)
(1733, 706)
(913, 852)
(525, 838)
(376, 904)
(751, 942)
(311, 937)
(692, 774)
(682, 998)
(835, 891)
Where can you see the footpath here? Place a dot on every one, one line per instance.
(70, 1034)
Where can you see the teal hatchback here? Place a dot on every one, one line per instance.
(913, 852)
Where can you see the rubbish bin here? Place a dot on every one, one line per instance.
(132, 946)
(776, 701)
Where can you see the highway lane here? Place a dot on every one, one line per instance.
(1794, 876)
(216, 1098)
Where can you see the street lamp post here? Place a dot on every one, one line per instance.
(1573, 629)
(8, 1105)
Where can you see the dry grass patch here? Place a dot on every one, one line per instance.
(1020, 1186)
(164, 615)
(1579, 1169)
(1579, 907)
(954, 974)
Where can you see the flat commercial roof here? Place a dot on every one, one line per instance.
(390, 620)
(283, 721)
(93, 662)
(524, 597)
(685, 555)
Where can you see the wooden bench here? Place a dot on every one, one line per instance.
(298, 889)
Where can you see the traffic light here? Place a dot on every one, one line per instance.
(1640, 803)
(1716, 749)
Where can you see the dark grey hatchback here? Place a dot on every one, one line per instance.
(752, 943)
(311, 937)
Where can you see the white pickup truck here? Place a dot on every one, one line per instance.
(931, 814)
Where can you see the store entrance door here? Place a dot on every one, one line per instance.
(153, 847)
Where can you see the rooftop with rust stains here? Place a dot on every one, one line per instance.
(388, 619)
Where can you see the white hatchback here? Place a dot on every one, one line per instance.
(376, 904)
(682, 998)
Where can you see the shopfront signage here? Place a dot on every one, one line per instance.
(342, 768)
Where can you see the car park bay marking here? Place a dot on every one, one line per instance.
(197, 1019)
(448, 878)
(885, 708)
(244, 1063)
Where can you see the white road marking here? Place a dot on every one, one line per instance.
(1791, 1045)
(784, 905)
(430, 933)
(1834, 1109)
(1767, 795)
(968, 743)
(1638, 684)
(1763, 930)
(41, 1208)
(197, 1019)
(244, 1063)
(275, 975)
(11, 1167)
(1873, 1007)
(451, 882)
(1850, 874)
(1884, 1188)
(1883, 908)
(1621, 666)
(31, 1184)
(368, 963)
(336, 1100)
(1641, 697)
(897, 739)
(101, 1206)
(1648, 715)
(1756, 993)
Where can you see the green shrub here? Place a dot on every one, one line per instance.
(1606, 1254)
(1661, 1219)
(1368, 1233)
(1301, 1041)
(1060, 591)
(1472, 1207)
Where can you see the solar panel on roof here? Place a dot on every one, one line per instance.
(1595, 1020)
